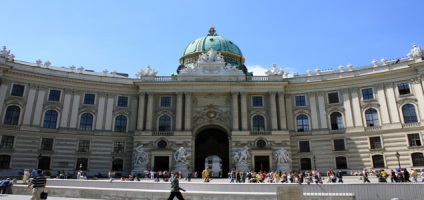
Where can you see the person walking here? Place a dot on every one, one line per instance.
(38, 184)
(340, 176)
(365, 176)
(175, 189)
(414, 175)
(5, 184)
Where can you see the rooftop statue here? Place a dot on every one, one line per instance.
(210, 57)
(274, 71)
(146, 72)
(416, 52)
(4, 53)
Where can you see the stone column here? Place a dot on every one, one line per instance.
(109, 113)
(100, 111)
(418, 91)
(384, 112)
(179, 111)
(30, 105)
(348, 108)
(356, 107)
(187, 112)
(3, 91)
(66, 108)
(282, 111)
(273, 111)
(322, 111)
(39, 106)
(141, 110)
(391, 101)
(149, 115)
(75, 108)
(235, 111)
(244, 111)
(314, 109)
(289, 113)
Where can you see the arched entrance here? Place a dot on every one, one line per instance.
(212, 143)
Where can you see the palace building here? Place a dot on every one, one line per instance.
(58, 118)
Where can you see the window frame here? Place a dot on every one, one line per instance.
(371, 145)
(369, 117)
(303, 125)
(7, 142)
(408, 117)
(54, 97)
(122, 101)
(120, 129)
(344, 162)
(47, 144)
(412, 141)
(366, 96)
(334, 145)
(258, 125)
(84, 146)
(165, 102)
(85, 124)
(339, 121)
(304, 145)
(374, 161)
(414, 162)
(19, 91)
(117, 148)
(300, 101)
(10, 117)
(164, 127)
(402, 89)
(51, 124)
(255, 99)
(331, 97)
(88, 100)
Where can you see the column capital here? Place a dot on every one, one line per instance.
(141, 93)
(234, 93)
(188, 93)
(346, 91)
(4, 81)
(388, 85)
(311, 94)
(102, 95)
(179, 93)
(379, 86)
(243, 93)
(272, 93)
(34, 86)
(416, 80)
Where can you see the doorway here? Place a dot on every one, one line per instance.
(44, 163)
(161, 163)
(212, 143)
(262, 163)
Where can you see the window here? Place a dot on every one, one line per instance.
(165, 123)
(336, 121)
(305, 164)
(122, 101)
(414, 140)
(367, 94)
(12, 115)
(302, 123)
(304, 146)
(339, 145)
(333, 97)
(403, 88)
(371, 116)
(162, 144)
(300, 101)
(121, 124)
(378, 161)
(82, 164)
(7, 142)
(258, 122)
(83, 145)
(257, 101)
(409, 114)
(54, 95)
(117, 164)
(50, 119)
(417, 159)
(341, 162)
(47, 144)
(261, 143)
(18, 90)
(165, 102)
(4, 161)
(119, 147)
(86, 122)
(375, 143)
(89, 98)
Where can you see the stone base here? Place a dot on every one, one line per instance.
(183, 168)
(283, 167)
(139, 168)
(290, 192)
(242, 167)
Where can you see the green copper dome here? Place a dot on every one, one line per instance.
(212, 40)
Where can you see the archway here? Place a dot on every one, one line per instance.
(212, 142)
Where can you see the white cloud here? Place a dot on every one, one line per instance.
(257, 70)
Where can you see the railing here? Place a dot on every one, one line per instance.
(409, 125)
(301, 133)
(260, 132)
(338, 131)
(257, 78)
(49, 130)
(6, 126)
(165, 78)
(163, 133)
(373, 128)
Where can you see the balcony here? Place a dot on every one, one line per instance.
(260, 132)
(6, 126)
(372, 128)
(338, 131)
(297, 133)
(163, 133)
(410, 125)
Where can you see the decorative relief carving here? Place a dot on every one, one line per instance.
(353, 90)
(320, 93)
(34, 86)
(102, 95)
(211, 113)
(345, 91)
(272, 93)
(416, 80)
(311, 94)
(78, 92)
(379, 86)
(68, 91)
(388, 85)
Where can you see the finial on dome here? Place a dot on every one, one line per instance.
(212, 31)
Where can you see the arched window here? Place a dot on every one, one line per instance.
(50, 119)
(4, 161)
(305, 164)
(336, 121)
(409, 114)
(117, 164)
(417, 159)
(372, 117)
(121, 124)
(341, 162)
(165, 123)
(12, 115)
(302, 123)
(258, 123)
(86, 122)
(378, 161)
(82, 164)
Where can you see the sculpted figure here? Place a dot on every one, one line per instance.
(4, 53)
(142, 156)
(211, 54)
(181, 155)
(282, 156)
(242, 155)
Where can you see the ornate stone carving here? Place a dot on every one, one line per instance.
(350, 67)
(102, 95)
(274, 71)
(141, 156)
(80, 69)
(282, 156)
(311, 94)
(181, 156)
(384, 61)
(379, 86)
(242, 156)
(47, 64)
(146, 72)
(4, 53)
(374, 63)
(320, 93)
(415, 52)
(211, 56)
(341, 68)
(416, 80)
(345, 91)
(39, 62)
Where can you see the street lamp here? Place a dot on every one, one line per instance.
(315, 162)
(397, 156)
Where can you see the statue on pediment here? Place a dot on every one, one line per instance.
(146, 72)
(4, 53)
(416, 52)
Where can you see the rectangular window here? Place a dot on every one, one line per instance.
(304, 146)
(18, 90)
(403, 88)
(333, 97)
(257, 101)
(119, 147)
(375, 143)
(89, 98)
(122, 101)
(367, 94)
(414, 140)
(7, 142)
(165, 102)
(83, 145)
(47, 144)
(300, 101)
(54, 95)
(339, 145)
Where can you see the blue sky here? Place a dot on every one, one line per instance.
(129, 35)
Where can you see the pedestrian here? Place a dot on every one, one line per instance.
(26, 176)
(175, 189)
(414, 175)
(5, 184)
(340, 176)
(38, 184)
(365, 176)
